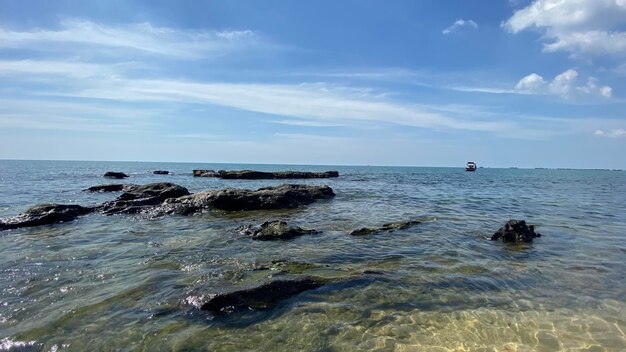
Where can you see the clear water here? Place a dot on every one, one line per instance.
(117, 282)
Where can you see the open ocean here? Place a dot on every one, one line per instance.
(117, 283)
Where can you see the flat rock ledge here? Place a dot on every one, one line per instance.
(161, 172)
(116, 187)
(389, 227)
(254, 297)
(45, 214)
(263, 175)
(113, 174)
(235, 199)
(204, 173)
(515, 231)
(274, 230)
(136, 198)
(158, 199)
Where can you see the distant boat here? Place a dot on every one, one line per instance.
(471, 166)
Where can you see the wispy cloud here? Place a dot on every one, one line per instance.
(565, 85)
(70, 68)
(141, 38)
(306, 123)
(459, 24)
(614, 133)
(319, 102)
(303, 104)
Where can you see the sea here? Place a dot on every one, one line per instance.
(120, 282)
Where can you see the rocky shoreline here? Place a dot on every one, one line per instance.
(158, 199)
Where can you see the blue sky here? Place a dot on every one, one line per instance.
(430, 83)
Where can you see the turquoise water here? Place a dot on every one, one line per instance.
(118, 282)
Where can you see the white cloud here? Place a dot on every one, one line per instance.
(459, 24)
(531, 83)
(563, 85)
(593, 27)
(145, 38)
(614, 133)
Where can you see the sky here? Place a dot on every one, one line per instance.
(526, 83)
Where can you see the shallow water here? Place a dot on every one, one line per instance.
(118, 282)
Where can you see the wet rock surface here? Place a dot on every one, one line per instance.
(389, 227)
(261, 175)
(234, 199)
(45, 214)
(258, 297)
(113, 174)
(204, 173)
(161, 190)
(136, 198)
(118, 187)
(161, 172)
(274, 230)
(158, 199)
(515, 231)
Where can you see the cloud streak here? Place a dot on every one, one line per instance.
(458, 24)
(143, 38)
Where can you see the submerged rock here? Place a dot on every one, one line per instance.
(274, 230)
(204, 173)
(515, 231)
(117, 187)
(261, 175)
(161, 172)
(118, 175)
(233, 199)
(389, 227)
(45, 214)
(136, 198)
(262, 296)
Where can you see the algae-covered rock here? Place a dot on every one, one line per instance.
(274, 230)
(389, 227)
(45, 214)
(515, 231)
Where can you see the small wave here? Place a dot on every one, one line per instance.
(7, 344)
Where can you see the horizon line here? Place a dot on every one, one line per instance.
(339, 165)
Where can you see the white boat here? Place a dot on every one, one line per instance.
(471, 166)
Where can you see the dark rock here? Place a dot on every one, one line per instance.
(45, 214)
(136, 198)
(161, 172)
(204, 173)
(109, 188)
(161, 190)
(258, 297)
(260, 175)
(280, 197)
(392, 226)
(515, 231)
(274, 230)
(131, 206)
(117, 175)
